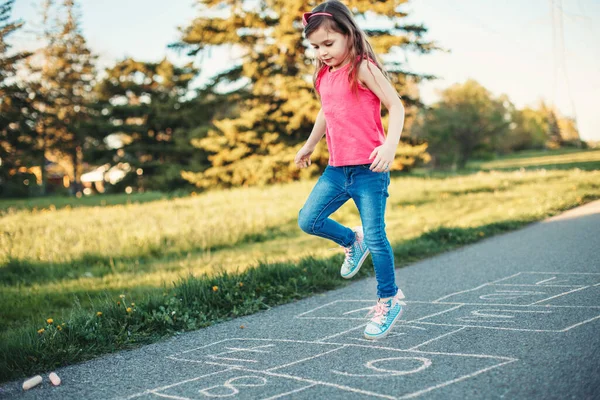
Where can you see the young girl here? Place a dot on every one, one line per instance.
(351, 86)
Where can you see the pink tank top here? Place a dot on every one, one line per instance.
(353, 121)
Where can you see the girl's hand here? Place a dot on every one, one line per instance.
(302, 159)
(384, 157)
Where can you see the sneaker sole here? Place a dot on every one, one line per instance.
(384, 334)
(360, 263)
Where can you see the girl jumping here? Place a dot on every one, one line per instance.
(351, 86)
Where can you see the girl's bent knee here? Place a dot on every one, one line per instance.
(304, 223)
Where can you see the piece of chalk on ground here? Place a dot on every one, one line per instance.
(29, 383)
(54, 378)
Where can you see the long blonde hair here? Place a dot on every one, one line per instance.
(343, 22)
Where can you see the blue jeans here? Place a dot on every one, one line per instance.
(369, 190)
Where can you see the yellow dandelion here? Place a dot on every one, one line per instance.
(40, 331)
(128, 309)
(99, 314)
(50, 321)
(132, 304)
(215, 288)
(241, 284)
(59, 327)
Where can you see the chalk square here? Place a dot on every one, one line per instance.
(358, 309)
(531, 318)
(320, 391)
(236, 384)
(503, 294)
(552, 279)
(376, 371)
(254, 354)
(585, 297)
(403, 336)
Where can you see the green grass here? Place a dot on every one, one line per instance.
(69, 262)
(54, 203)
(555, 159)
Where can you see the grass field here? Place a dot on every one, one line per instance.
(69, 259)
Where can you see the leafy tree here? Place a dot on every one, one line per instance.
(276, 104)
(569, 132)
(527, 130)
(465, 120)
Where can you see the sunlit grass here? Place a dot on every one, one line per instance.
(54, 202)
(582, 159)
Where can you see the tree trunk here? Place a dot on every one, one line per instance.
(76, 159)
(44, 184)
(465, 154)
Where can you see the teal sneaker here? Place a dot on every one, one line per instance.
(385, 315)
(355, 255)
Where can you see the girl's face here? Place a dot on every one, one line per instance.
(331, 47)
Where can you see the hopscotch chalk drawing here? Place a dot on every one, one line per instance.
(281, 368)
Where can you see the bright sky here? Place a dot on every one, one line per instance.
(507, 46)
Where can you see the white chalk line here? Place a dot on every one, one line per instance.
(229, 359)
(392, 334)
(305, 359)
(201, 347)
(462, 378)
(418, 393)
(169, 396)
(342, 333)
(290, 392)
(365, 346)
(436, 338)
(580, 323)
(505, 278)
(250, 350)
(301, 316)
(492, 327)
(559, 295)
(533, 285)
(516, 305)
(462, 291)
(512, 276)
(334, 385)
(315, 309)
(149, 391)
(561, 273)
(437, 313)
(543, 281)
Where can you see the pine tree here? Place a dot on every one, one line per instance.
(277, 106)
(73, 73)
(145, 105)
(17, 141)
(62, 76)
